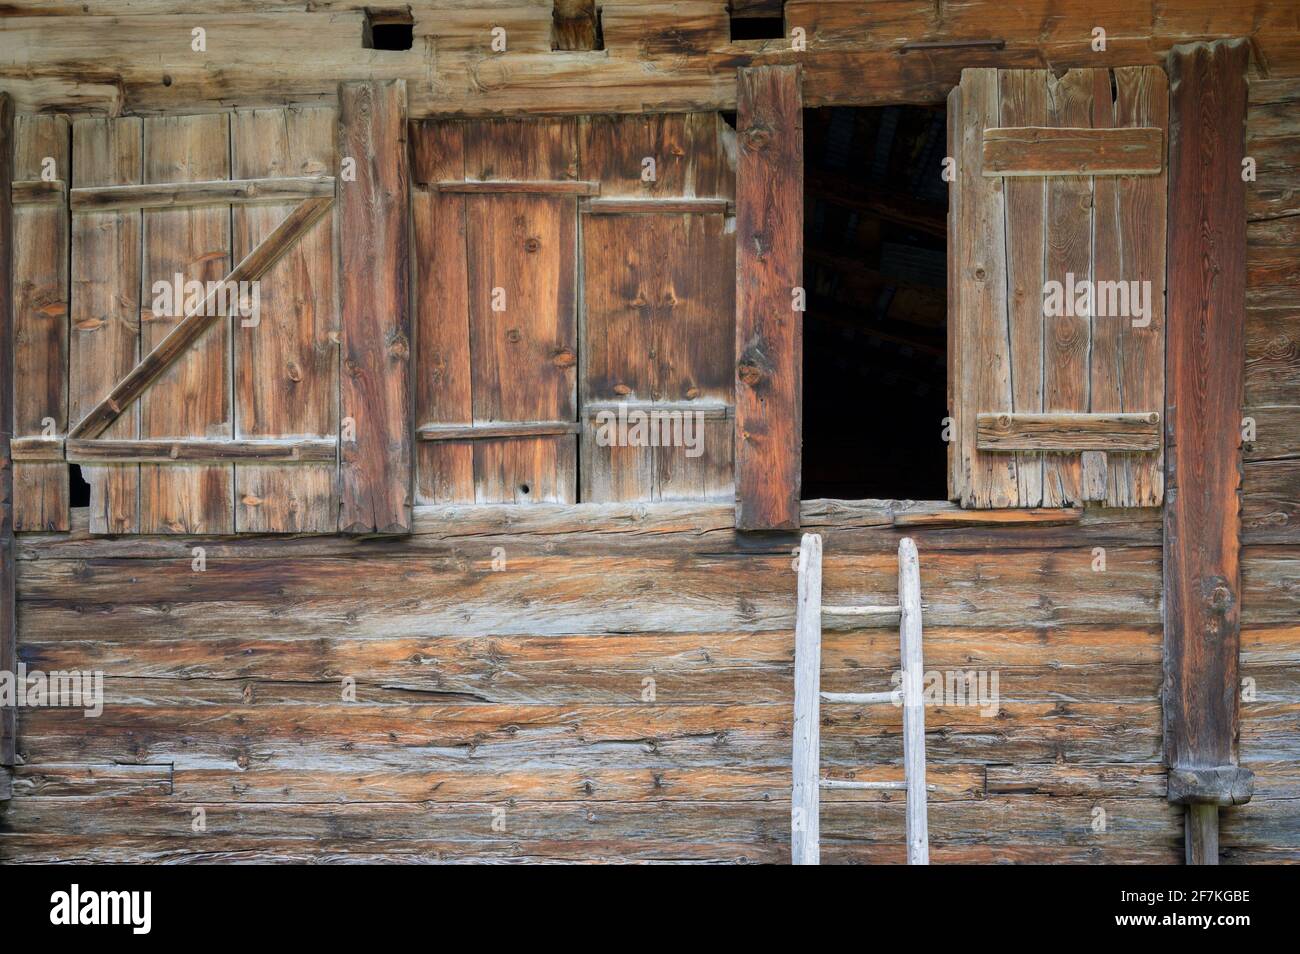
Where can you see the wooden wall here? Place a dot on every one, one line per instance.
(138, 56)
(1268, 828)
(522, 689)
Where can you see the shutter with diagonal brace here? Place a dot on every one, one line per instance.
(1056, 283)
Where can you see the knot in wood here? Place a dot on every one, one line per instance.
(513, 336)
(564, 358)
(532, 244)
(757, 138)
(749, 373)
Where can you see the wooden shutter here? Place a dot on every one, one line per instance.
(1057, 179)
(496, 218)
(188, 418)
(658, 254)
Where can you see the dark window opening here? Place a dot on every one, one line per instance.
(875, 328)
(388, 30)
(757, 28)
(79, 490)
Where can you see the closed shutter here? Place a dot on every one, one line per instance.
(204, 360)
(1056, 275)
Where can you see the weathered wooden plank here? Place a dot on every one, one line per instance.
(913, 666)
(286, 357)
(769, 267)
(1061, 151)
(494, 431)
(40, 322)
(1276, 432)
(1015, 516)
(171, 195)
(8, 616)
(1205, 361)
(443, 391)
(1270, 502)
(295, 450)
(106, 306)
(523, 187)
(91, 780)
(33, 191)
(375, 466)
(36, 448)
(1024, 102)
(183, 383)
(683, 206)
(1113, 432)
(1067, 337)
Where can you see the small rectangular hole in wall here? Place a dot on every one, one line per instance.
(757, 19)
(79, 490)
(575, 25)
(388, 30)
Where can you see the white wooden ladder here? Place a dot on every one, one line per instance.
(805, 828)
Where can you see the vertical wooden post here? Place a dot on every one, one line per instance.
(769, 267)
(909, 631)
(805, 794)
(1204, 380)
(8, 627)
(375, 400)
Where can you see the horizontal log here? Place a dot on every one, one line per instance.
(206, 450)
(171, 195)
(958, 517)
(496, 430)
(1116, 433)
(35, 191)
(622, 206)
(92, 779)
(1044, 151)
(520, 187)
(37, 448)
(711, 410)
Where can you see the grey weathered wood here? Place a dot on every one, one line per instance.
(852, 785)
(1202, 834)
(805, 826)
(861, 610)
(8, 606)
(175, 195)
(200, 450)
(863, 698)
(35, 191)
(37, 448)
(1119, 433)
(1061, 151)
(909, 597)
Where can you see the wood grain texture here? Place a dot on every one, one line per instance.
(769, 266)
(8, 609)
(237, 191)
(375, 467)
(286, 365)
(1055, 151)
(1112, 432)
(190, 396)
(1205, 361)
(40, 321)
(106, 306)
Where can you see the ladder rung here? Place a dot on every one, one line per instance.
(864, 698)
(860, 610)
(862, 786)
(867, 786)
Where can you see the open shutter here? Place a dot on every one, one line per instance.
(1057, 279)
(496, 218)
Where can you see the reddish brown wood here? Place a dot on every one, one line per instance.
(375, 479)
(8, 624)
(769, 266)
(1205, 358)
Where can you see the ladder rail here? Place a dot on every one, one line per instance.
(909, 598)
(805, 797)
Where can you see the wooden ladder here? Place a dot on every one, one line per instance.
(805, 833)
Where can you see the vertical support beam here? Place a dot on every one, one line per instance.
(8, 627)
(1201, 837)
(909, 633)
(805, 794)
(769, 267)
(375, 400)
(1204, 363)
